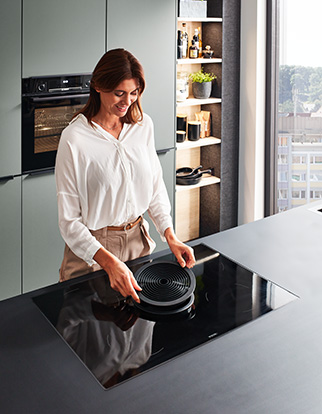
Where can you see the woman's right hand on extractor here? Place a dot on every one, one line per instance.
(120, 276)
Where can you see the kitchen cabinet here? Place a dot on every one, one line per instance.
(10, 73)
(42, 245)
(147, 29)
(211, 206)
(10, 241)
(62, 37)
(10, 149)
(167, 160)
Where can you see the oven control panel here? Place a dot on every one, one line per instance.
(52, 85)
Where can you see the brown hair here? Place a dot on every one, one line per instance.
(115, 66)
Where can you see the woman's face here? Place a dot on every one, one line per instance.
(118, 101)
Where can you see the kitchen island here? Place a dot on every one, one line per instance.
(269, 365)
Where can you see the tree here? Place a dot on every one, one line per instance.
(299, 85)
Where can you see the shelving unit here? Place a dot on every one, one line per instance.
(198, 102)
(206, 180)
(212, 206)
(205, 151)
(197, 144)
(201, 20)
(198, 61)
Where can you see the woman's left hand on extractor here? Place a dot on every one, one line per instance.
(182, 252)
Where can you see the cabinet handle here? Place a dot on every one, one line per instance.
(164, 151)
(41, 172)
(7, 178)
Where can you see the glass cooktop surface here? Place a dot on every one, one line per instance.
(117, 341)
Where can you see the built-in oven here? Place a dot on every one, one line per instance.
(48, 105)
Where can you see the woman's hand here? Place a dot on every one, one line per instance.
(121, 277)
(182, 252)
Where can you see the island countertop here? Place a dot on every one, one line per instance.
(271, 365)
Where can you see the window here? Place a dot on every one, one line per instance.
(299, 177)
(316, 159)
(299, 159)
(316, 176)
(282, 176)
(294, 104)
(283, 194)
(298, 194)
(282, 141)
(282, 159)
(314, 195)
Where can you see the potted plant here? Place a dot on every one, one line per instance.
(201, 84)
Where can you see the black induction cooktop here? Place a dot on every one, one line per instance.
(117, 340)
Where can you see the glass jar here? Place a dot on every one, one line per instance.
(182, 86)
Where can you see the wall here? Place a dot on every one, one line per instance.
(252, 110)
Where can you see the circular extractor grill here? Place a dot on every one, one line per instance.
(165, 283)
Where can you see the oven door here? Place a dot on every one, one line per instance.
(43, 119)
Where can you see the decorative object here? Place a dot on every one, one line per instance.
(204, 118)
(201, 84)
(192, 8)
(207, 53)
(182, 86)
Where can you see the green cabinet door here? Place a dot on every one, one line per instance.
(62, 36)
(147, 29)
(10, 240)
(42, 245)
(167, 162)
(10, 74)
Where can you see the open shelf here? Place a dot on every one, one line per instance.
(202, 142)
(194, 101)
(201, 19)
(199, 61)
(198, 207)
(206, 180)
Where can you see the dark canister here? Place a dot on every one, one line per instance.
(181, 122)
(181, 136)
(194, 128)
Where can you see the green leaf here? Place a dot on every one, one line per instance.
(202, 76)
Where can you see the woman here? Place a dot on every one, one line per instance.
(108, 175)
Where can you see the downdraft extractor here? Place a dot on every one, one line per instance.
(167, 288)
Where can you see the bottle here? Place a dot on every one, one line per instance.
(196, 39)
(179, 45)
(185, 41)
(193, 50)
(200, 42)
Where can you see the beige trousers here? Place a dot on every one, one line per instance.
(125, 245)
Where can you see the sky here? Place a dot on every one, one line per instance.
(301, 32)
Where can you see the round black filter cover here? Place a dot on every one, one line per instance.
(165, 283)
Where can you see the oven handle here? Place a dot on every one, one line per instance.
(54, 98)
(41, 172)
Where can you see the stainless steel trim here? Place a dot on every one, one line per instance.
(52, 98)
(72, 88)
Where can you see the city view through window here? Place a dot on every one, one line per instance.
(299, 123)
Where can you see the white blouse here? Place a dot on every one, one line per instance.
(103, 181)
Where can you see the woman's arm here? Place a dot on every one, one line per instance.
(182, 252)
(121, 277)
